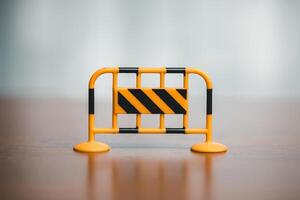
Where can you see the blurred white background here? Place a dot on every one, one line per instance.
(49, 49)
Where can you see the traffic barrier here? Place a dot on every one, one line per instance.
(141, 100)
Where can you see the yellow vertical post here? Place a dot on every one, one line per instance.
(208, 145)
(209, 114)
(138, 85)
(186, 86)
(91, 145)
(162, 116)
(209, 128)
(114, 86)
(91, 119)
(91, 122)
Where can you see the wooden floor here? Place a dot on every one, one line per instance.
(37, 160)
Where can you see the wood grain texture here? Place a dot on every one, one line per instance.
(37, 160)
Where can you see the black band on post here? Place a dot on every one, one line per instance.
(91, 101)
(128, 70)
(209, 102)
(128, 130)
(175, 130)
(174, 70)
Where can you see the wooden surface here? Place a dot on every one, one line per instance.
(37, 160)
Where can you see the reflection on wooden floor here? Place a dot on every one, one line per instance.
(150, 178)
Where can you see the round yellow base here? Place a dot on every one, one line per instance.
(209, 147)
(91, 147)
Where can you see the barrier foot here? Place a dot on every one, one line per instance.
(209, 147)
(91, 147)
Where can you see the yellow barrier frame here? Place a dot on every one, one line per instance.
(93, 146)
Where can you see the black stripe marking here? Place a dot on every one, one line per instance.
(128, 70)
(209, 101)
(91, 101)
(182, 92)
(146, 101)
(128, 130)
(174, 70)
(170, 101)
(175, 130)
(126, 105)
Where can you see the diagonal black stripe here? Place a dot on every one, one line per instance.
(126, 105)
(146, 101)
(170, 101)
(182, 92)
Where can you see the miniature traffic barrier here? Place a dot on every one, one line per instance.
(142, 100)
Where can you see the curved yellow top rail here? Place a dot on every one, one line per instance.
(204, 75)
(188, 70)
(99, 73)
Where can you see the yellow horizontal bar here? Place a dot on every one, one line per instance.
(151, 130)
(106, 130)
(152, 70)
(196, 131)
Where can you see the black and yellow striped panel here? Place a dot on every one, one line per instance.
(150, 101)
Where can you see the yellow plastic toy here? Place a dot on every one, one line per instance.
(141, 100)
